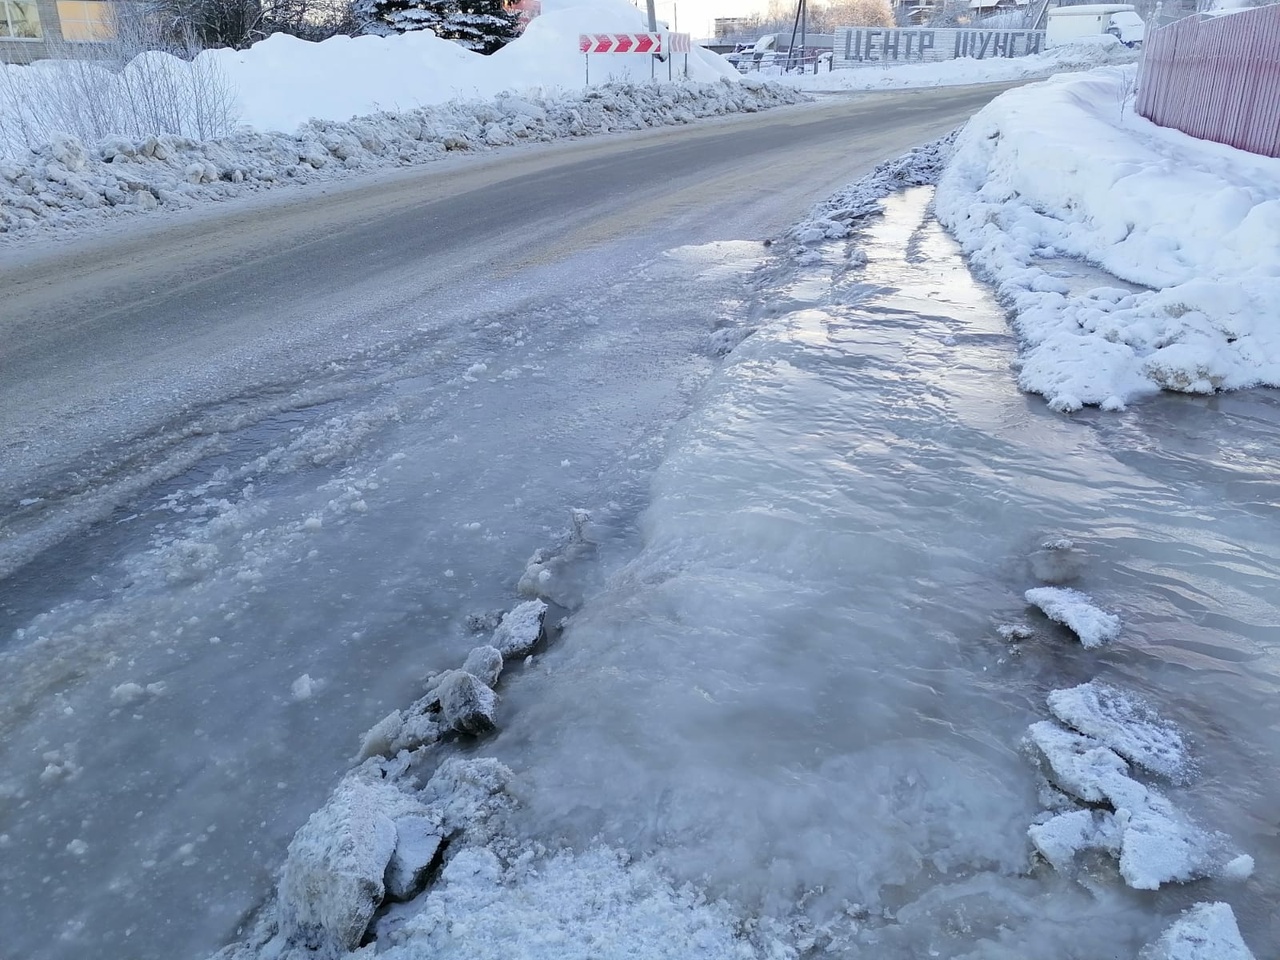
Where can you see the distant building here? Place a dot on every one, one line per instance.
(985, 7)
(37, 29)
(735, 26)
(914, 12)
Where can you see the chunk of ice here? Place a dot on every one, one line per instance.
(1158, 843)
(1125, 724)
(1207, 931)
(485, 664)
(1076, 611)
(1060, 838)
(333, 878)
(418, 841)
(520, 630)
(1080, 765)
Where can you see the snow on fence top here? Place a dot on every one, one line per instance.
(1217, 79)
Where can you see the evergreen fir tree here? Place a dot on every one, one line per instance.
(480, 25)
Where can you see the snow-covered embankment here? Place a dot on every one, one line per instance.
(1065, 169)
(67, 183)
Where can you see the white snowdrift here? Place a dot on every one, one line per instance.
(66, 183)
(283, 82)
(1057, 171)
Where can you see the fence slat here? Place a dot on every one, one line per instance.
(1217, 79)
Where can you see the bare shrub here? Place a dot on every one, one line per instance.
(150, 79)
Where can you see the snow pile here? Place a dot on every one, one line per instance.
(1082, 55)
(834, 218)
(376, 839)
(432, 871)
(1207, 931)
(1095, 804)
(594, 906)
(1062, 170)
(65, 183)
(282, 82)
(1077, 612)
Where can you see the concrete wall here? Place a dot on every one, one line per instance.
(858, 46)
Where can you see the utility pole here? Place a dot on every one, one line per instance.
(800, 27)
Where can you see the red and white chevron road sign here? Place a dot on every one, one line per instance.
(620, 42)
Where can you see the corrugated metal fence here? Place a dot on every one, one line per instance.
(1217, 79)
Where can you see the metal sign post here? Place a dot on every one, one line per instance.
(650, 43)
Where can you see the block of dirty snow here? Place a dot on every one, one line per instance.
(333, 876)
(418, 840)
(520, 630)
(485, 664)
(1207, 931)
(1076, 611)
(1059, 839)
(1123, 722)
(466, 704)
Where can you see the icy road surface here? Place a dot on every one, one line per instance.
(783, 680)
(309, 435)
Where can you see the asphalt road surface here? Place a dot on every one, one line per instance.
(112, 345)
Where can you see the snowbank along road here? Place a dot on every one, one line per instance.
(261, 462)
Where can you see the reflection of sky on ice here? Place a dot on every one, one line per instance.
(796, 695)
(793, 697)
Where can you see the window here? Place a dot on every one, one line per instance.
(19, 20)
(84, 21)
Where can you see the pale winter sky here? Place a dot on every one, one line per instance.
(696, 16)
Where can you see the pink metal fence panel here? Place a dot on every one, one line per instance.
(1217, 79)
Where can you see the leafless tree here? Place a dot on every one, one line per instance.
(951, 13)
